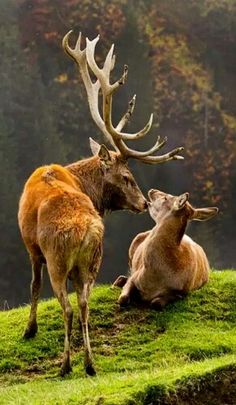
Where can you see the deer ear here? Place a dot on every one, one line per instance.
(101, 151)
(94, 146)
(203, 214)
(104, 155)
(180, 201)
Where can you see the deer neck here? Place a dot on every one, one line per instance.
(90, 176)
(170, 230)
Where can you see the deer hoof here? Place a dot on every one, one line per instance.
(120, 281)
(124, 300)
(30, 331)
(90, 370)
(65, 368)
(157, 304)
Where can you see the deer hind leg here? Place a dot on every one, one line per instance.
(82, 291)
(120, 281)
(58, 277)
(84, 314)
(36, 283)
(166, 297)
(83, 279)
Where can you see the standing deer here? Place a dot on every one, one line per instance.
(165, 263)
(61, 208)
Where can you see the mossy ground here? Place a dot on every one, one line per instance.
(141, 356)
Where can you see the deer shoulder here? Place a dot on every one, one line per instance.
(135, 245)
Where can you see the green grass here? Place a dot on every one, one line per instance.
(141, 355)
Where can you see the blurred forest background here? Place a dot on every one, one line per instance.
(182, 63)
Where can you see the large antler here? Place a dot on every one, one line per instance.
(85, 58)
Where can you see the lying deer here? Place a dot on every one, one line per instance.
(165, 263)
(61, 208)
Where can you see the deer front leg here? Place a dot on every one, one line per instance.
(128, 289)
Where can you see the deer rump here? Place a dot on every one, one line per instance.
(68, 227)
(56, 216)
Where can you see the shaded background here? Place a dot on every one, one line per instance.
(181, 57)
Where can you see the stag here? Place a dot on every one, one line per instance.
(61, 208)
(165, 263)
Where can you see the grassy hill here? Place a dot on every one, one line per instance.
(183, 355)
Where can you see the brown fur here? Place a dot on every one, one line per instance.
(166, 264)
(60, 221)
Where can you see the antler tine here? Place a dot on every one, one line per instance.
(146, 155)
(90, 49)
(147, 158)
(79, 57)
(113, 62)
(127, 115)
(109, 62)
(75, 53)
(130, 137)
(158, 145)
(172, 155)
(65, 42)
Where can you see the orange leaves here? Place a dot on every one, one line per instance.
(62, 78)
(50, 35)
(229, 120)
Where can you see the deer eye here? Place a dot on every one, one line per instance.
(126, 179)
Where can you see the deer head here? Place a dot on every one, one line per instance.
(162, 205)
(118, 188)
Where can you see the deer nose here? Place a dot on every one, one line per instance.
(145, 205)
